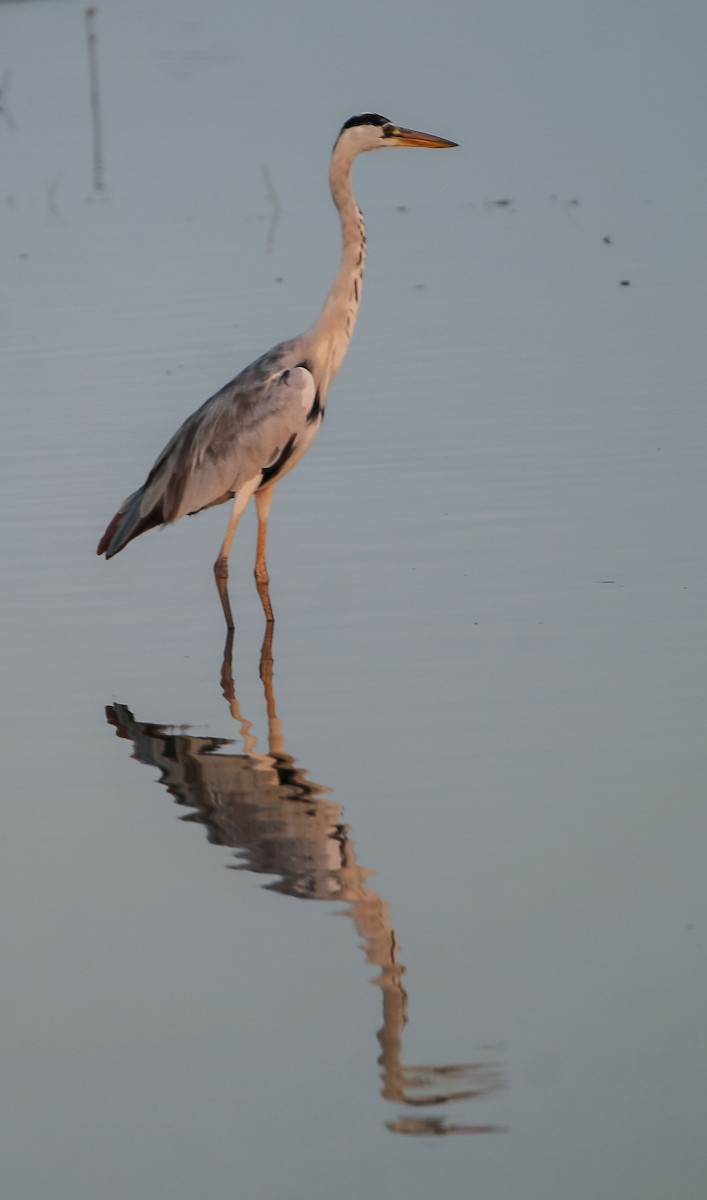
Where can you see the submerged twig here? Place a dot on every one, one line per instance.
(52, 186)
(98, 161)
(4, 109)
(276, 209)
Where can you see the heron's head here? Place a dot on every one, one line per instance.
(371, 131)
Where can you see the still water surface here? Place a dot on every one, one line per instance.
(476, 739)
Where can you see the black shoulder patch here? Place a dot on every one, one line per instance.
(316, 410)
(271, 472)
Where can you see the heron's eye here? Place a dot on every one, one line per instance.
(389, 130)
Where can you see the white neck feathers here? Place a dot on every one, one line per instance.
(334, 328)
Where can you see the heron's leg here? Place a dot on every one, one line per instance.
(263, 500)
(221, 564)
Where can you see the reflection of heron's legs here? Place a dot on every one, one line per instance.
(266, 669)
(228, 686)
(276, 738)
(263, 500)
(276, 743)
(221, 564)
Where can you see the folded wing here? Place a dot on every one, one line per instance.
(255, 428)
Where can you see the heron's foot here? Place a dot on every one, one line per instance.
(221, 577)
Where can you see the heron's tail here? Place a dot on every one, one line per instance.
(129, 522)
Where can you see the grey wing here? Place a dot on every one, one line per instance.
(248, 429)
(235, 443)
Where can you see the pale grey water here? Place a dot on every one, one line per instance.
(489, 579)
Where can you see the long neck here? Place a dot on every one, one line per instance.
(334, 328)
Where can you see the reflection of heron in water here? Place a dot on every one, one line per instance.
(281, 823)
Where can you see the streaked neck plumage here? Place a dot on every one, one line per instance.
(334, 328)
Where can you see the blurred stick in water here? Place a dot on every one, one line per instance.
(98, 161)
(276, 209)
(52, 186)
(4, 83)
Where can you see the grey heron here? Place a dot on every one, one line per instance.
(243, 440)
